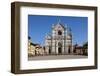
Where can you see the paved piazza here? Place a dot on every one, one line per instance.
(53, 57)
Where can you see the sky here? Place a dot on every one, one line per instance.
(40, 25)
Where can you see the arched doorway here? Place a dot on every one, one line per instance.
(49, 50)
(59, 48)
(69, 49)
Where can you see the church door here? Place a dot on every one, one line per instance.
(59, 50)
(69, 51)
(49, 50)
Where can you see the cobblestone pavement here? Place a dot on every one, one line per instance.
(53, 57)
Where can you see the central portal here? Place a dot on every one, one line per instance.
(59, 50)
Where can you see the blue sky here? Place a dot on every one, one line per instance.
(40, 25)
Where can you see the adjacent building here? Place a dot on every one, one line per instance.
(34, 49)
(80, 50)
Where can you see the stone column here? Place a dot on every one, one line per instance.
(63, 47)
(53, 46)
(66, 48)
(56, 47)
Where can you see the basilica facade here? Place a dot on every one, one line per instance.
(59, 41)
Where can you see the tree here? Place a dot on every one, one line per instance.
(85, 48)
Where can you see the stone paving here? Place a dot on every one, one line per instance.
(53, 57)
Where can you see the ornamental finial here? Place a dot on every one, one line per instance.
(59, 20)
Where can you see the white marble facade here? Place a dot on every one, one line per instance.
(59, 41)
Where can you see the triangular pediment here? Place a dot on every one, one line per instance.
(59, 26)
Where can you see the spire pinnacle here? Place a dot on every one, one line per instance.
(59, 20)
(69, 29)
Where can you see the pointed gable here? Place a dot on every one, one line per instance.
(59, 26)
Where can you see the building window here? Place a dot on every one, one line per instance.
(59, 32)
(59, 44)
